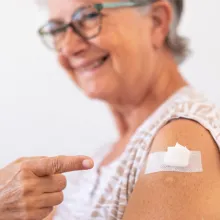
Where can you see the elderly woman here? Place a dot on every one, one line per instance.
(126, 53)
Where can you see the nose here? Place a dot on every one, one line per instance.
(73, 45)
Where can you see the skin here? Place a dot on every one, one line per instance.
(172, 195)
(140, 74)
(133, 90)
(31, 187)
(137, 78)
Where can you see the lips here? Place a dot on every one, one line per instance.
(91, 65)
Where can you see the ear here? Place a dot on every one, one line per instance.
(161, 14)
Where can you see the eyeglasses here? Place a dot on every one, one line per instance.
(86, 22)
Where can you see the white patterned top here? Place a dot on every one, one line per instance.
(104, 196)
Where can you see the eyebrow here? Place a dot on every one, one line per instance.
(61, 21)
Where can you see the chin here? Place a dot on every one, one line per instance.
(95, 95)
(100, 89)
(99, 94)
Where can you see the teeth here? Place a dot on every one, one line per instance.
(93, 65)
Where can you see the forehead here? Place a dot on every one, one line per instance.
(63, 9)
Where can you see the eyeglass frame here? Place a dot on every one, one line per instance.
(99, 7)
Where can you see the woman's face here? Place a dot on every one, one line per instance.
(118, 64)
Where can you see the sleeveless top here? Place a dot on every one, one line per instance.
(104, 196)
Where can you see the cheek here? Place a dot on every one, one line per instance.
(66, 66)
(112, 41)
(131, 55)
(64, 62)
(127, 46)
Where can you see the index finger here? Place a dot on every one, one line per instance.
(60, 164)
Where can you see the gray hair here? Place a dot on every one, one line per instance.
(176, 43)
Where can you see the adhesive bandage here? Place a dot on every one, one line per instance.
(176, 159)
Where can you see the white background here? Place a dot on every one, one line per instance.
(41, 111)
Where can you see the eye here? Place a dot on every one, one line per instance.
(91, 15)
(88, 18)
(53, 28)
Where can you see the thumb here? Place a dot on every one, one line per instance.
(60, 164)
(22, 159)
(8, 172)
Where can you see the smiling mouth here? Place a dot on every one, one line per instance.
(94, 65)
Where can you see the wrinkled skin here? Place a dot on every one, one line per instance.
(31, 187)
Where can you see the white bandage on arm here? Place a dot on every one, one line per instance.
(176, 159)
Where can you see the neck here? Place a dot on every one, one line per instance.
(167, 81)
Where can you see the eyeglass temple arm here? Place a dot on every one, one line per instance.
(119, 4)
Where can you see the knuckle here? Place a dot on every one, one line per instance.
(60, 198)
(38, 202)
(25, 217)
(27, 187)
(26, 214)
(23, 176)
(24, 166)
(56, 165)
(25, 205)
(61, 182)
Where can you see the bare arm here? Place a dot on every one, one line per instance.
(175, 195)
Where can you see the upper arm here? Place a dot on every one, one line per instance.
(175, 195)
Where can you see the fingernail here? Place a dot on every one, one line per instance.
(87, 164)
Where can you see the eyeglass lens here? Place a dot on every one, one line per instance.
(86, 22)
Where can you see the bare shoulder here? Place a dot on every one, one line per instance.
(190, 134)
(176, 195)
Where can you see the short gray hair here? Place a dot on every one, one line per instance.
(176, 43)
